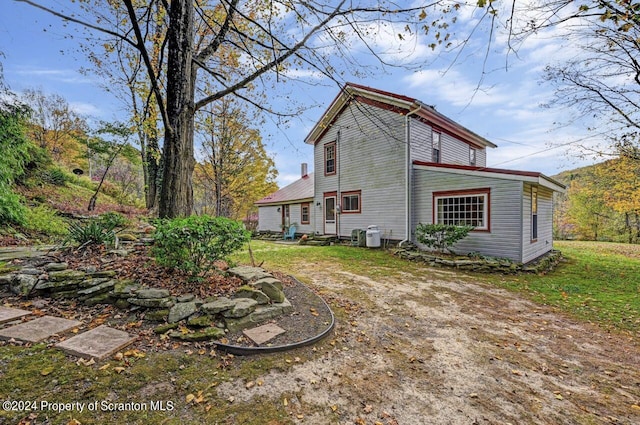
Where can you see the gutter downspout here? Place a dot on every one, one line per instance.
(407, 195)
(338, 197)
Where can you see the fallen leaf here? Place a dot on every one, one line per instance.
(334, 408)
(190, 398)
(105, 367)
(46, 371)
(516, 372)
(368, 408)
(118, 356)
(74, 422)
(360, 421)
(250, 385)
(119, 369)
(300, 416)
(231, 399)
(559, 397)
(285, 402)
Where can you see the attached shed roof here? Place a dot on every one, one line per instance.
(298, 191)
(394, 102)
(528, 176)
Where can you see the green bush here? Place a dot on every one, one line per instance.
(194, 243)
(44, 219)
(12, 211)
(441, 236)
(113, 220)
(55, 176)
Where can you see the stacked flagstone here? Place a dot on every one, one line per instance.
(261, 298)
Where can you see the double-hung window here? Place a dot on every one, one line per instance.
(305, 213)
(462, 208)
(330, 158)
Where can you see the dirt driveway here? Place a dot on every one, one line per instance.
(431, 348)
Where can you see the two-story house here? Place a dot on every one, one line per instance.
(392, 161)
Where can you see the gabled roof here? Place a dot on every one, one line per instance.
(299, 190)
(528, 176)
(394, 102)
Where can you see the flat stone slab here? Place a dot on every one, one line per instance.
(8, 314)
(97, 343)
(38, 329)
(263, 333)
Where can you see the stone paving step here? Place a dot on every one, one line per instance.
(264, 333)
(8, 314)
(38, 329)
(97, 343)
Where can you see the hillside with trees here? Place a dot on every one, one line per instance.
(602, 202)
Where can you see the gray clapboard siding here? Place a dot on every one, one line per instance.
(452, 150)
(505, 238)
(544, 243)
(371, 154)
(269, 219)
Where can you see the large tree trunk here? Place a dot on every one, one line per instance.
(176, 195)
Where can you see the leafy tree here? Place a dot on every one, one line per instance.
(235, 171)
(272, 40)
(55, 127)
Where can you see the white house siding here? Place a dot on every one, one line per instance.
(371, 158)
(534, 249)
(269, 219)
(453, 151)
(295, 214)
(505, 238)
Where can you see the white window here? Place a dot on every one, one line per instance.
(472, 157)
(534, 214)
(462, 208)
(435, 144)
(350, 202)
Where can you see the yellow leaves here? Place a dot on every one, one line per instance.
(198, 398)
(119, 369)
(46, 371)
(74, 422)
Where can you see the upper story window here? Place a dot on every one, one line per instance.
(472, 156)
(435, 147)
(462, 208)
(330, 158)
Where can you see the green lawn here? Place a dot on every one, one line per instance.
(598, 282)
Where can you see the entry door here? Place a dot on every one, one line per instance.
(330, 215)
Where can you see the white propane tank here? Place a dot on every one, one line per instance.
(373, 237)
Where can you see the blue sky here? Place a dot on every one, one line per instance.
(505, 109)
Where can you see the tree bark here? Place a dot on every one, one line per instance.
(176, 195)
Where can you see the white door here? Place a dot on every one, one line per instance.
(330, 215)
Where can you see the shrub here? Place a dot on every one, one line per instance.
(112, 220)
(90, 233)
(194, 243)
(12, 211)
(97, 231)
(44, 219)
(441, 236)
(55, 176)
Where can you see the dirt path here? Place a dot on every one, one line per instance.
(429, 349)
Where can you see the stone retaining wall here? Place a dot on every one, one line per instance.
(260, 298)
(481, 264)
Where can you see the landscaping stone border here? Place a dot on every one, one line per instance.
(543, 264)
(261, 298)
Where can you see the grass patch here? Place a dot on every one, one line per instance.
(598, 282)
